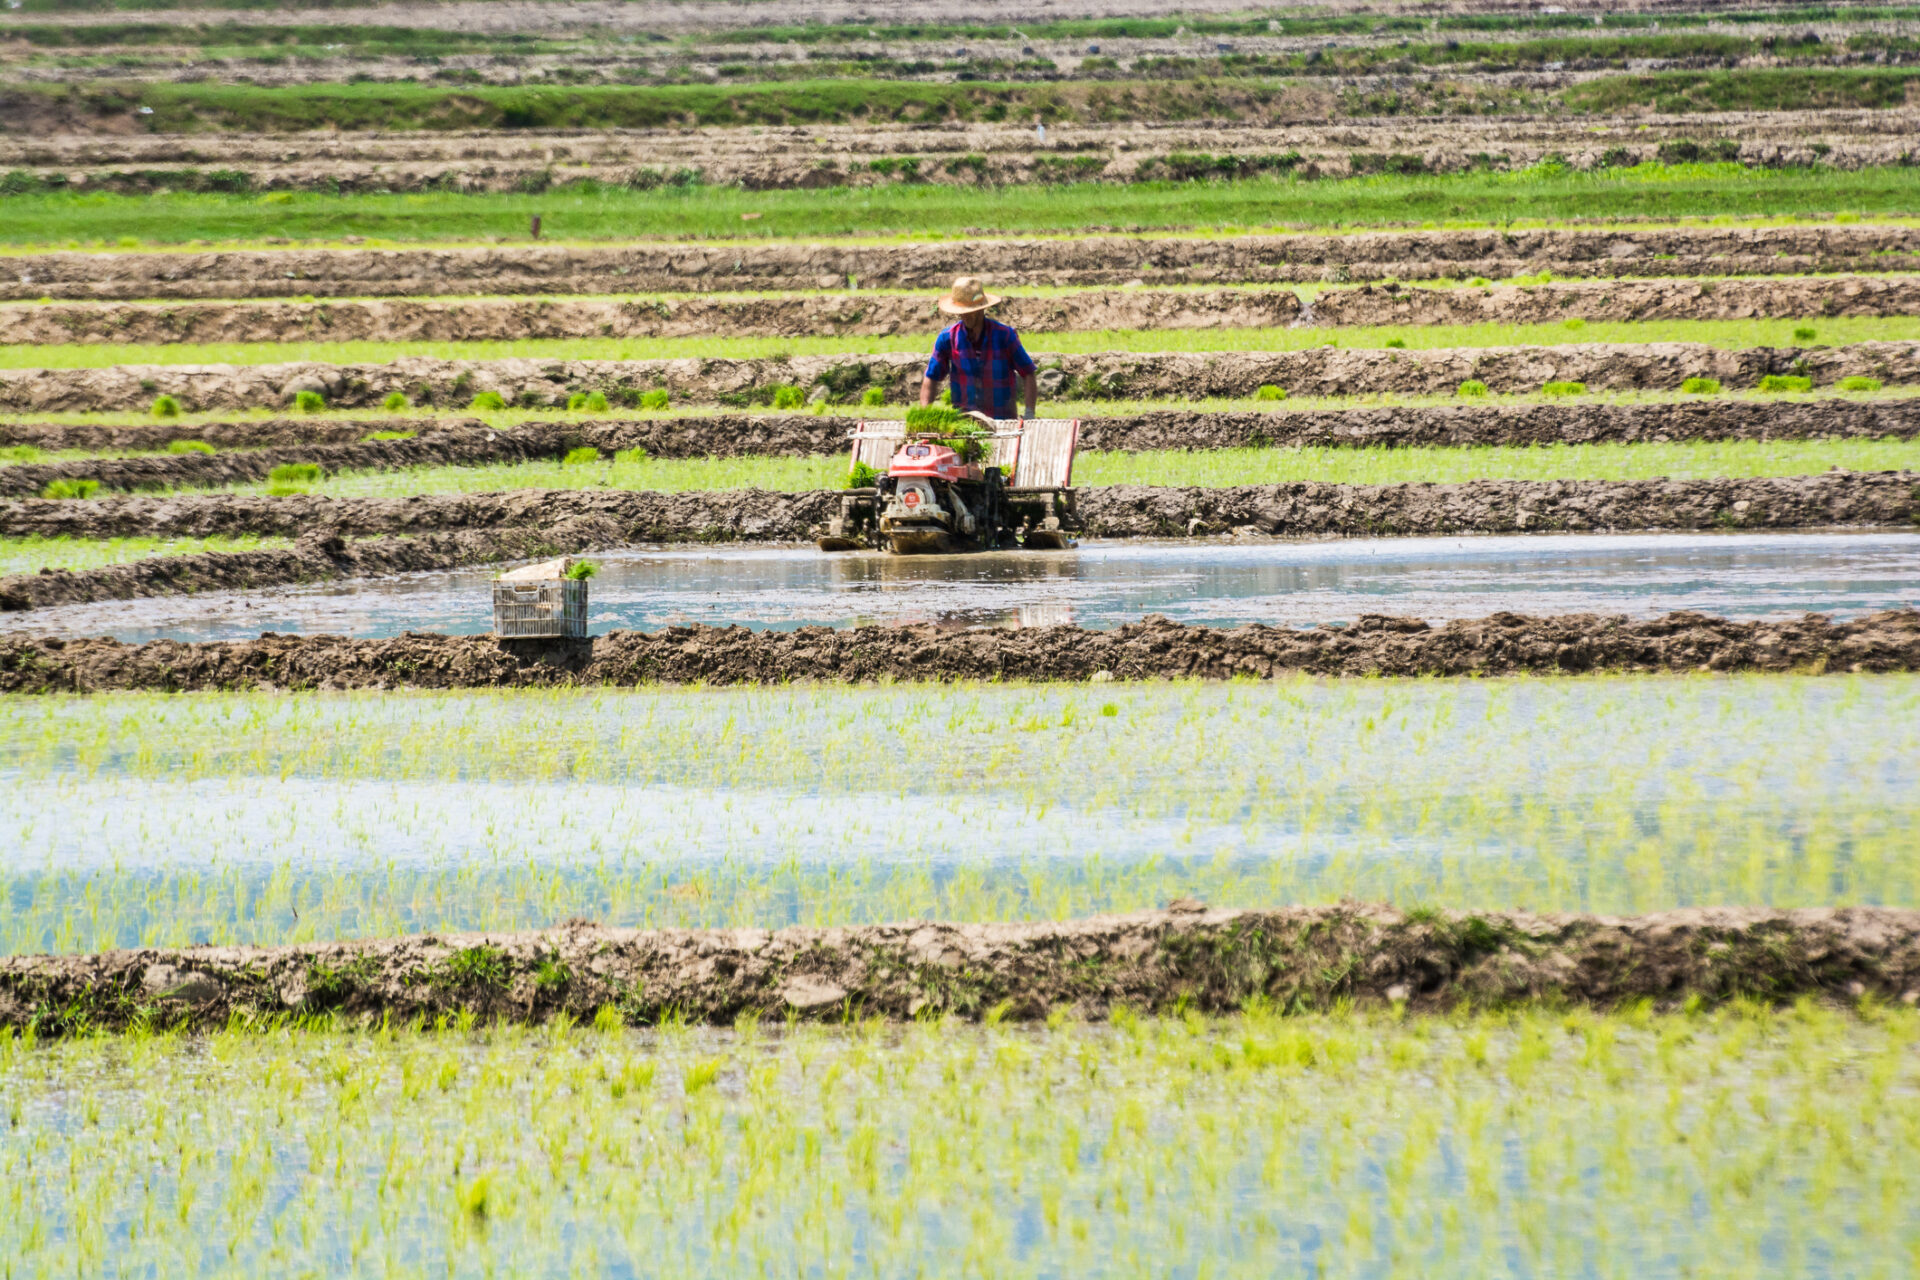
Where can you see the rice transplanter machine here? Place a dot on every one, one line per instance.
(981, 485)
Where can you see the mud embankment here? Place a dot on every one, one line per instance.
(1294, 959)
(61, 142)
(884, 314)
(491, 527)
(451, 446)
(1156, 648)
(703, 267)
(1319, 371)
(809, 435)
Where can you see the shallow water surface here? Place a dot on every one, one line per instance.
(1102, 584)
(138, 819)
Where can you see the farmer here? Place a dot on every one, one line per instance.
(983, 357)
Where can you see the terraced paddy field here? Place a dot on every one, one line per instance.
(1450, 811)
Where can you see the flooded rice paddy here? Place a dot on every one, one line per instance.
(1098, 585)
(1745, 1142)
(266, 818)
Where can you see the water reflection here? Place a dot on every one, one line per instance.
(1101, 585)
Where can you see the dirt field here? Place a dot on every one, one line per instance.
(80, 151)
(1600, 252)
(1212, 960)
(1327, 371)
(882, 314)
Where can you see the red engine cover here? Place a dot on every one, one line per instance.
(923, 459)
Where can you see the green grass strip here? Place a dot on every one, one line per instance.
(589, 212)
(1726, 334)
(30, 555)
(1214, 468)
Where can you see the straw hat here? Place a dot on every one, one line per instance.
(967, 297)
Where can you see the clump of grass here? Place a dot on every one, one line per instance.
(21, 453)
(487, 402)
(1564, 389)
(654, 400)
(576, 402)
(309, 402)
(1575, 323)
(292, 477)
(580, 457)
(1268, 391)
(934, 417)
(1471, 389)
(189, 446)
(1785, 382)
(1395, 344)
(396, 402)
(873, 397)
(62, 489)
(632, 457)
(788, 396)
(1701, 386)
(581, 570)
(165, 407)
(375, 437)
(1805, 333)
(1858, 382)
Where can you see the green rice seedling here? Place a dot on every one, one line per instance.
(1805, 333)
(188, 446)
(1858, 382)
(165, 407)
(396, 402)
(1206, 468)
(30, 555)
(1268, 391)
(1471, 389)
(375, 437)
(1573, 323)
(1773, 383)
(873, 396)
(577, 401)
(486, 402)
(655, 400)
(309, 402)
(1701, 386)
(862, 476)
(582, 456)
(1395, 344)
(596, 402)
(21, 453)
(295, 473)
(581, 570)
(934, 417)
(1563, 389)
(61, 489)
(788, 397)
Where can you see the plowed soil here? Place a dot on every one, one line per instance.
(337, 446)
(532, 522)
(1315, 136)
(1214, 961)
(1094, 260)
(1320, 371)
(880, 314)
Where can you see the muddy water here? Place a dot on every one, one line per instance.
(1099, 585)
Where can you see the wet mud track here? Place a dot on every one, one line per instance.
(706, 267)
(885, 314)
(1213, 961)
(1320, 371)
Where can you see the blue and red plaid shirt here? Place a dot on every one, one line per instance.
(983, 371)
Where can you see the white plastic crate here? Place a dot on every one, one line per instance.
(554, 609)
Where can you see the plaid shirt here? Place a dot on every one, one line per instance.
(983, 372)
